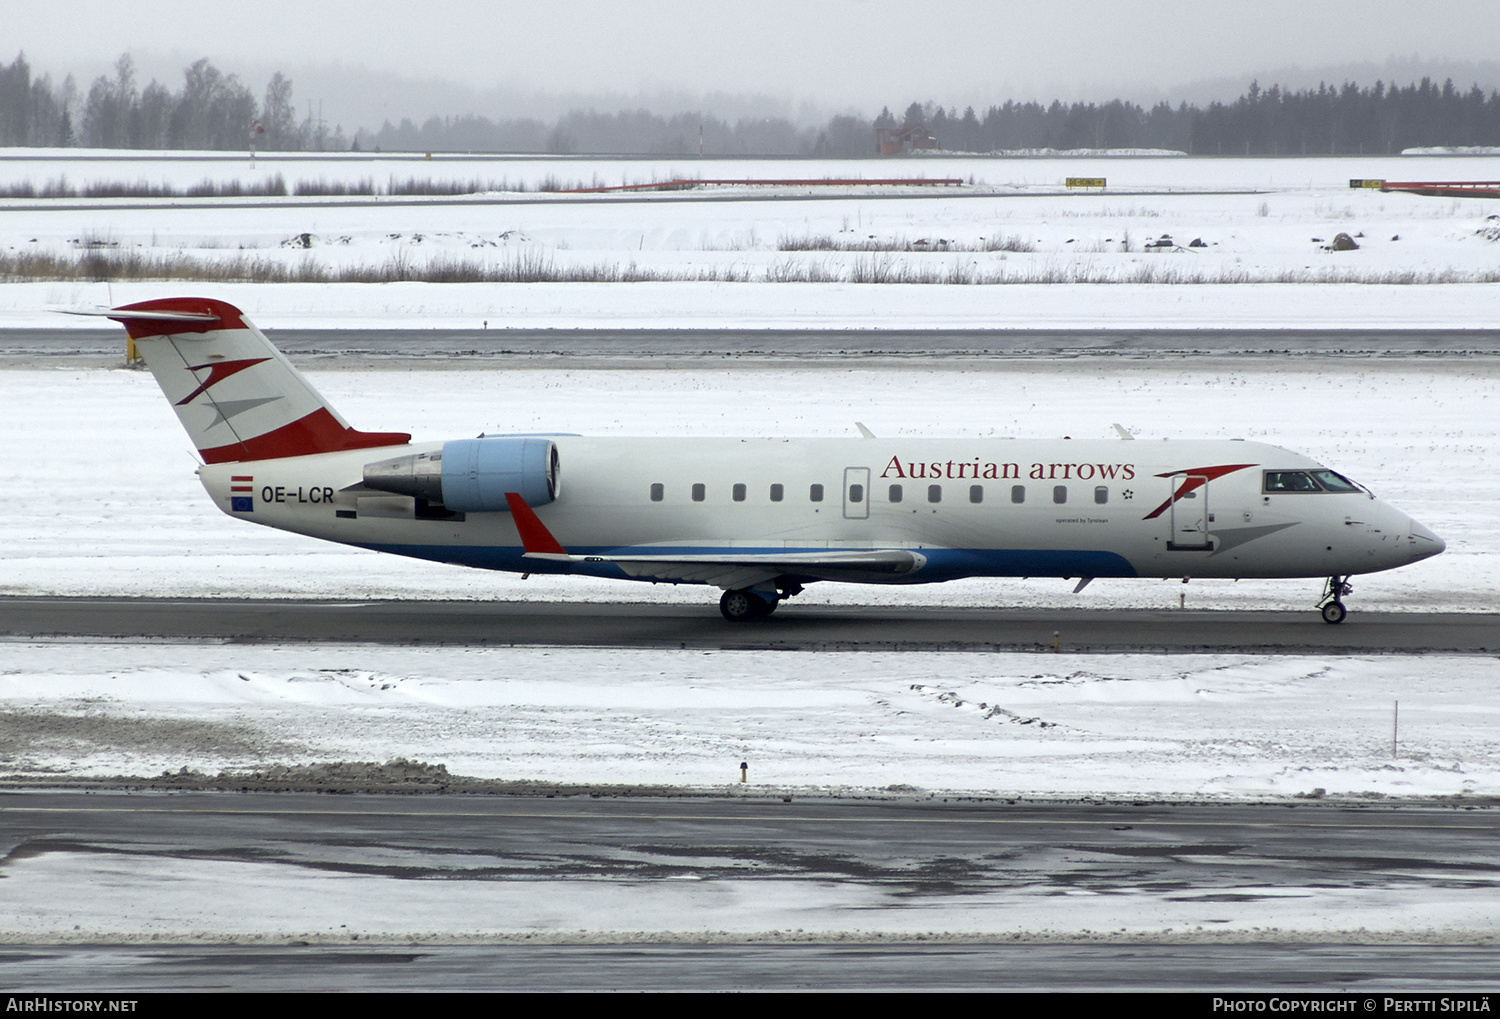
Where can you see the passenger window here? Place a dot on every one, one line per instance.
(1059, 494)
(934, 493)
(776, 491)
(856, 493)
(658, 492)
(895, 493)
(815, 493)
(739, 493)
(698, 492)
(1101, 495)
(976, 493)
(1018, 493)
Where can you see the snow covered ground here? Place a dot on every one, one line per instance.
(181, 168)
(1277, 232)
(1037, 725)
(802, 306)
(1205, 727)
(1200, 727)
(98, 494)
(1255, 236)
(84, 897)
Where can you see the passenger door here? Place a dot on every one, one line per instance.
(1189, 516)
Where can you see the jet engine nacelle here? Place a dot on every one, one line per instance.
(473, 475)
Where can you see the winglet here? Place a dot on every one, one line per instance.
(534, 534)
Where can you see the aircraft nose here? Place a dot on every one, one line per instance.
(1423, 543)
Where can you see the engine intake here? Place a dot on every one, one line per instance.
(473, 475)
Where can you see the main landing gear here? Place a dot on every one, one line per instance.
(744, 604)
(1332, 604)
(741, 605)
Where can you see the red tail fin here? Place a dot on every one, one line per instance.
(238, 397)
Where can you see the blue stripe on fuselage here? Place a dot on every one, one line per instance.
(942, 563)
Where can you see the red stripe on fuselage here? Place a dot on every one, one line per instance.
(318, 432)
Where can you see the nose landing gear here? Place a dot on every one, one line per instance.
(1332, 604)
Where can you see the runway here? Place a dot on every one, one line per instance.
(573, 624)
(438, 349)
(1208, 969)
(1218, 864)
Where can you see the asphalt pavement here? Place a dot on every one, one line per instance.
(575, 624)
(452, 349)
(907, 853)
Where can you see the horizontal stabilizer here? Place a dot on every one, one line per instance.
(122, 315)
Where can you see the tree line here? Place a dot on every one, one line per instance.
(1328, 120)
(213, 110)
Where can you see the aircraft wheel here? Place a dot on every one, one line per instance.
(1334, 612)
(739, 606)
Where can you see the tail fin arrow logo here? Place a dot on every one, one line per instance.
(217, 373)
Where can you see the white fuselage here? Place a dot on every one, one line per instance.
(974, 507)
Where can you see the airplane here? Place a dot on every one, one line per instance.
(760, 518)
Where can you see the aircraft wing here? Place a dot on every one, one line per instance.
(726, 569)
(730, 570)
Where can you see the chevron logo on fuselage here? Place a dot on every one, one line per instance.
(1196, 478)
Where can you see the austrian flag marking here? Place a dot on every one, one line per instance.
(245, 503)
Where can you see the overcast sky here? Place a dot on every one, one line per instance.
(832, 54)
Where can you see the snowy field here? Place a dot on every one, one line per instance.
(124, 513)
(1035, 725)
(1264, 225)
(799, 306)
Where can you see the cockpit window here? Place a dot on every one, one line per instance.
(1309, 481)
(1291, 481)
(1334, 482)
